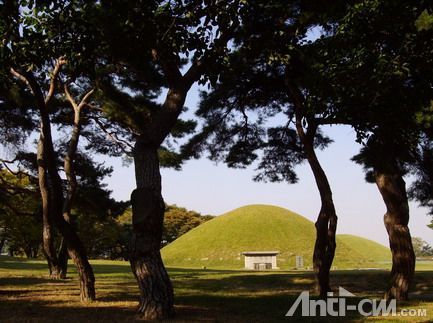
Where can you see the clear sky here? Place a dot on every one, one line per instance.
(215, 189)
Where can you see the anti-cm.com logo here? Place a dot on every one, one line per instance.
(337, 306)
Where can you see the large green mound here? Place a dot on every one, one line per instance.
(219, 242)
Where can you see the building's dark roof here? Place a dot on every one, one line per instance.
(260, 253)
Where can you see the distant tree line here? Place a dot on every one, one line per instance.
(106, 233)
(421, 248)
(85, 78)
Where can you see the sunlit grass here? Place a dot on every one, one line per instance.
(27, 295)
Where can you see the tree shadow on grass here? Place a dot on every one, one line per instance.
(26, 281)
(198, 270)
(126, 292)
(247, 298)
(271, 308)
(267, 297)
(193, 308)
(111, 269)
(247, 283)
(41, 311)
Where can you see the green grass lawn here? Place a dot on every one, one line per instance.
(27, 295)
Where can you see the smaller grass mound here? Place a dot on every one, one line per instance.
(369, 251)
(355, 252)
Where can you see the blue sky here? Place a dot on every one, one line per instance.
(215, 189)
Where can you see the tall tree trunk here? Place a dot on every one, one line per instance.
(156, 291)
(74, 245)
(2, 244)
(78, 255)
(326, 224)
(35, 251)
(72, 185)
(393, 190)
(28, 251)
(47, 222)
(76, 250)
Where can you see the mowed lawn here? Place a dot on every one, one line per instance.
(26, 295)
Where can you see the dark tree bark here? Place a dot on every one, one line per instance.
(75, 248)
(62, 256)
(35, 251)
(326, 226)
(78, 255)
(326, 223)
(47, 222)
(72, 185)
(28, 252)
(31, 251)
(393, 190)
(2, 244)
(156, 291)
(62, 207)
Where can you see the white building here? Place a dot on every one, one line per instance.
(260, 260)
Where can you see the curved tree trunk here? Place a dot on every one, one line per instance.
(47, 222)
(326, 224)
(75, 248)
(393, 190)
(156, 291)
(78, 255)
(69, 167)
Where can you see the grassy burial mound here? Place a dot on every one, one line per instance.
(219, 243)
(368, 251)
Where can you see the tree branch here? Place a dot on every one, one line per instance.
(194, 73)
(16, 211)
(196, 70)
(332, 121)
(69, 167)
(170, 68)
(83, 101)
(59, 63)
(119, 142)
(70, 97)
(29, 80)
(22, 78)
